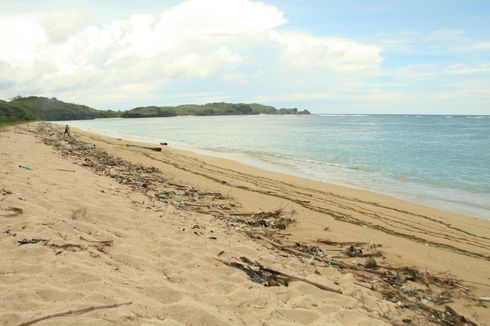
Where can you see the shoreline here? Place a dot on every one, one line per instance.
(430, 198)
(114, 222)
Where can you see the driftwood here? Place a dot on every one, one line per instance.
(74, 247)
(107, 243)
(297, 278)
(30, 241)
(65, 170)
(156, 149)
(457, 319)
(284, 248)
(269, 277)
(74, 312)
(341, 243)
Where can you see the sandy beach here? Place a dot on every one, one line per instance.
(101, 231)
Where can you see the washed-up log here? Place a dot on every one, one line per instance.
(156, 149)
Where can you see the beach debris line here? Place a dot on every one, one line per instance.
(270, 277)
(297, 249)
(314, 251)
(147, 180)
(190, 193)
(74, 312)
(277, 219)
(352, 251)
(408, 287)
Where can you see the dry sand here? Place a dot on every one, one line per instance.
(100, 239)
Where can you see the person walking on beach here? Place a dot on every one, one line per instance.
(67, 132)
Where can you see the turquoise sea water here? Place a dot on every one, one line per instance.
(441, 161)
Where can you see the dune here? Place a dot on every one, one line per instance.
(100, 231)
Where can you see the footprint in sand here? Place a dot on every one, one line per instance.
(11, 211)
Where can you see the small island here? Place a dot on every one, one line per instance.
(52, 109)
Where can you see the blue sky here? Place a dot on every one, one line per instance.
(429, 57)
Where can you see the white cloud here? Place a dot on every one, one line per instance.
(447, 34)
(59, 25)
(337, 54)
(232, 41)
(21, 42)
(462, 69)
(441, 72)
(418, 71)
(211, 17)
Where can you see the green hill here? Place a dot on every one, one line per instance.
(10, 113)
(210, 109)
(149, 111)
(52, 109)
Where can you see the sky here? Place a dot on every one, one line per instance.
(349, 56)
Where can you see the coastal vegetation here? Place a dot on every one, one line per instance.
(31, 108)
(43, 108)
(207, 109)
(12, 114)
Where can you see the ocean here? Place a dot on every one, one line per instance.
(439, 161)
